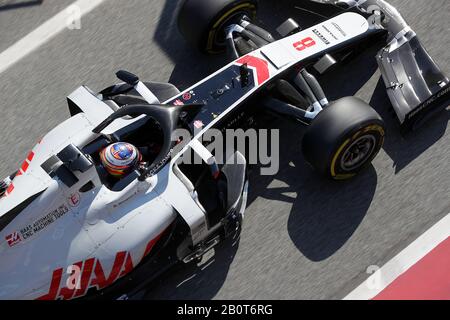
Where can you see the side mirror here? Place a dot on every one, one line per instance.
(127, 77)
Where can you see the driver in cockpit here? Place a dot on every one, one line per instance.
(121, 158)
(118, 159)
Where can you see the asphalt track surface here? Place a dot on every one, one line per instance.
(304, 237)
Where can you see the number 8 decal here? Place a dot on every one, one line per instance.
(305, 43)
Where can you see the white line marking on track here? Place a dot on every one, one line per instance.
(402, 262)
(43, 33)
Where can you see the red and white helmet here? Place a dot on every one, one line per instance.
(120, 158)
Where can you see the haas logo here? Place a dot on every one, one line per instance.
(90, 274)
(74, 200)
(13, 239)
(75, 280)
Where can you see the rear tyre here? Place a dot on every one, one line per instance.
(344, 138)
(203, 22)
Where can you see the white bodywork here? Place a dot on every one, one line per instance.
(101, 235)
(97, 224)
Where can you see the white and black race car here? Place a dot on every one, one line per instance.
(67, 230)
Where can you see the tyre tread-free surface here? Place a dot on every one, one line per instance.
(200, 21)
(332, 128)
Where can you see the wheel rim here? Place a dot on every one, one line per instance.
(358, 153)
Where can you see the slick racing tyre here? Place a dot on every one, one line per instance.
(344, 138)
(203, 22)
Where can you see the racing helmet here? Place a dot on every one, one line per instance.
(120, 158)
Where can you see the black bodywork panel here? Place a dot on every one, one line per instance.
(218, 93)
(65, 163)
(8, 217)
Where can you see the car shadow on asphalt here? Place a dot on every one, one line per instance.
(192, 282)
(324, 213)
(403, 150)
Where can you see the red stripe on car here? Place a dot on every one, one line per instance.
(151, 244)
(24, 166)
(10, 189)
(261, 66)
(30, 156)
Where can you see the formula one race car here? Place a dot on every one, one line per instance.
(71, 228)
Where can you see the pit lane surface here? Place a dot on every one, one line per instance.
(304, 237)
